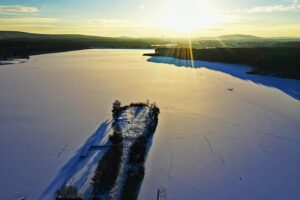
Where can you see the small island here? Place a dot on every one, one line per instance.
(120, 171)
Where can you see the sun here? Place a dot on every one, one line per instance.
(184, 16)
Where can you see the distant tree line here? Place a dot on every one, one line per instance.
(20, 44)
(25, 47)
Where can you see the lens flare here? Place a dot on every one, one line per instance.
(186, 16)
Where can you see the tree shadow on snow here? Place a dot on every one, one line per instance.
(289, 86)
(77, 163)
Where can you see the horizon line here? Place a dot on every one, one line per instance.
(162, 37)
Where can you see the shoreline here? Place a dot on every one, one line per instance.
(263, 61)
(13, 61)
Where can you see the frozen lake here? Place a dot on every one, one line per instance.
(221, 134)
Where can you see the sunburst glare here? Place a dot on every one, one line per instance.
(185, 16)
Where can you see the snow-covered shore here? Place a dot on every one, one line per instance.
(211, 142)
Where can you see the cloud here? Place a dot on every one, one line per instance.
(113, 23)
(109, 22)
(28, 20)
(18, 9)
(292, 7)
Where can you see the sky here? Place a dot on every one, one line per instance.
(153, 18)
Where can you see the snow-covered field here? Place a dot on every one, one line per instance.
(220, 135)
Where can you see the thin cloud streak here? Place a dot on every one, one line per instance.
(294, 6)
(27, 20)
(18, 9)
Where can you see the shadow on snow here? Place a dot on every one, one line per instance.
(289, 86)
(76, 164)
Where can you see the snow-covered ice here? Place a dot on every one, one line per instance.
(210, 143)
